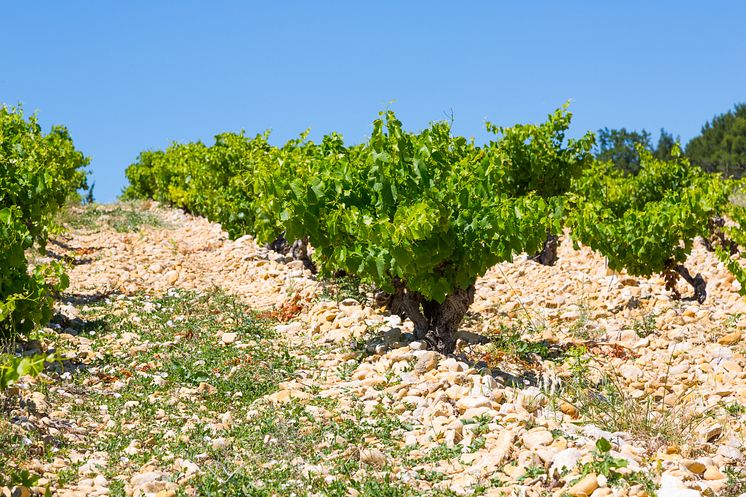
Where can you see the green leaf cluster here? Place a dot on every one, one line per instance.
(12, 368)
(429, 211)
(646, 223)
(38, 174)
(238, 181)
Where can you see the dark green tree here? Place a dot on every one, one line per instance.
(620, 147)
(665, 146)
(721, 146)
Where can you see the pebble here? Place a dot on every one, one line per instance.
(140, 480)
(730, 452)
(584, 487)
(630, 371)
(710, 432)
(672, 486)
(695, 467)
(171, 276)
(565, 460)
(372, 457)
(426, 362)
(713, 473)
(731, 338)
(534, 439)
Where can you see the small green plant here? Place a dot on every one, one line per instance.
(579, 327)
(345, 370)
(22, 478)
(736, 484)
(735, 408)
(733, 319)
(579, 363)
(532, 472)
(603, 463)
(645, 326)
(441, 452)
(12, 368)
(477, 444)
(509, 342)
(601, 398)
(482, 421)
(123, 218)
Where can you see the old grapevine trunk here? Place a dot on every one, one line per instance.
(698, 283)
(298, 250)
(436, 323)
(718, 237)
(548, 254)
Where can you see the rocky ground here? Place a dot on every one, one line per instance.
(191, 364)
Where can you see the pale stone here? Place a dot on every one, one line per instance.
(171, 276)
(476, 412)
(695, 467)
(731, 338)
(584, 487)
(503, 446)
(569, 409)
(730, 452)
(602, 492)
(466, 403)
(630, 371)
(206, 389)
(142, 479)
(534, 439)
(219, 443)
(189, 468)
(713, 473)
(564, 460)
(40, 402)
(427, 362)
(672, 486)
(229, 338)
(710, 432)
(602, 480)
(372, 457)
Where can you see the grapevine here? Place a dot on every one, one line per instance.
(38, 174)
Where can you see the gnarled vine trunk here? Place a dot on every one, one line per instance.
(436, 323)
(718, 237)
(698, 283)
(279, 245)
(548, 254)
(298, 250)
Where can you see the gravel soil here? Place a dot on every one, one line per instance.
(192, 364)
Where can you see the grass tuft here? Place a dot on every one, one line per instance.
(125, 217)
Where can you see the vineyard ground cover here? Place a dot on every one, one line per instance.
(176, 383)
(125, 217)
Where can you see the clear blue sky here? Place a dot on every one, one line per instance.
(134, 75)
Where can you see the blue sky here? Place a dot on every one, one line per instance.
(136, 75)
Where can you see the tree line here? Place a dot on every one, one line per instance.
(719, 148)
